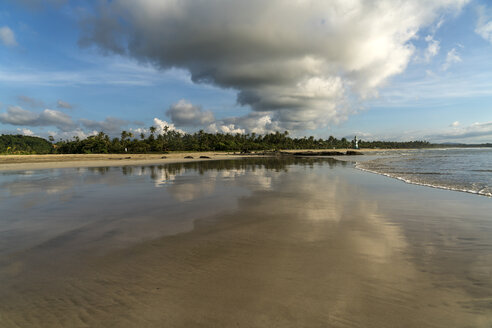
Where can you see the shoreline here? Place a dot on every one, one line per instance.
(9, 163)
(55, 161)
(410, 182)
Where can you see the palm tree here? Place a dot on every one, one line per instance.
(124, 135)
(152, 130)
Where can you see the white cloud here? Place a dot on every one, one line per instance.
(433, 48)
(484, 24)
(299, 62)
(485, 31)
(138, 131)
(455, 124)
(68, 128)
(221, 128)
(259, 123)
(477, 133)
(451, 58)
(163, 126)
(231, 128)
(26, 132)
(184, 113)
(63, 104)
(69, 134)
(7, 36)
(110, 125)
(16, 115)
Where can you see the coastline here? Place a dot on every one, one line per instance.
(54, 161)
(440, 187)
(464, 179)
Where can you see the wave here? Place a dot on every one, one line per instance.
(482, 191)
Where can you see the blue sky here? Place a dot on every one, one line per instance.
(71, 68)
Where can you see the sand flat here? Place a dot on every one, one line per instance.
(292, 243)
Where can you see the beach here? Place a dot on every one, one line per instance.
(248, 242)
(34, 162)
(248, 164)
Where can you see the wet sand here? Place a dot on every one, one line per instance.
(265, 243)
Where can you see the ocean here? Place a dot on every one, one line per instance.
(461, 169)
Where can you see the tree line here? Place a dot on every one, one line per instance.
(20, 144)
(170, 140)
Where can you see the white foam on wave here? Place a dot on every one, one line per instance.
(481, 192)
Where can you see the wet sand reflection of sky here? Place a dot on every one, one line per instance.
(351, 243)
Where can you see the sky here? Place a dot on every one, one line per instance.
(379, 69)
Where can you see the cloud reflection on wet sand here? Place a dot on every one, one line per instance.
(287, 244)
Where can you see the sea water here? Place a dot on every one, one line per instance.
(461, 169)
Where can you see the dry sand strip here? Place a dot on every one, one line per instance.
(51, 161)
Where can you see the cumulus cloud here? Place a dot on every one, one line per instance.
(7, 36)
(298, 62)
(225, 128)
(255, 122)
(451, 58)
(26, 132)
(110, 125)
(163, 126)
(69, 134)
(63, 104)
(455, 124)
(68, 128)
(16, 115)
(183, 113)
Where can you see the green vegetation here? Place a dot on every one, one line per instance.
(202, 141)
(396, 145)
(19, 144)
(175, 141)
